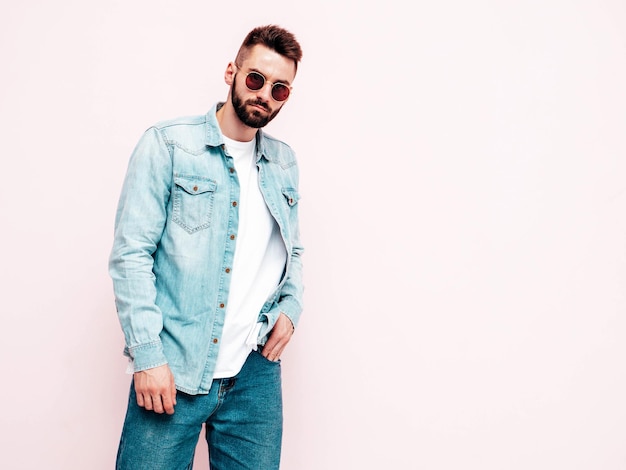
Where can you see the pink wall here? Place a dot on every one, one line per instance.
(464, 201)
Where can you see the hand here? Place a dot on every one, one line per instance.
(156, 390)
(279, 337)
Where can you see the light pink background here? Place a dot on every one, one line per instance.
(464, 213)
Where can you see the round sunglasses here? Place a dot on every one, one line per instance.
(255, 81)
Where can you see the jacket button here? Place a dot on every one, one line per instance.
(234, 203)
(232, 170)
(215, 340)
(221, 305)
(195, 188)
(232, 237)
(227, 270)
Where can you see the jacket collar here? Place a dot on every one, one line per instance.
(215, 138)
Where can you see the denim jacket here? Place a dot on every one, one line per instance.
(175, 237)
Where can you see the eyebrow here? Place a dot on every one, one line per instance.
(284, 82)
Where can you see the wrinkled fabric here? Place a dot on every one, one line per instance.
(174, 243)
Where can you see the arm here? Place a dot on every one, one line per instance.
(139, 224)
(289, 306)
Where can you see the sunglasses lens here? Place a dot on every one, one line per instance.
(255, 81)
(280, 92)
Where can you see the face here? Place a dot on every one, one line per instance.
(257, 108)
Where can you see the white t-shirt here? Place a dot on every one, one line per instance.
(259, 262)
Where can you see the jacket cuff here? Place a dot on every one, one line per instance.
(291, 308)
(147, 356)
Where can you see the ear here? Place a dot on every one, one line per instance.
(229, 75)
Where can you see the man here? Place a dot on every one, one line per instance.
(207, 273)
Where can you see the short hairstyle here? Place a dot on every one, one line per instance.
(275, 38)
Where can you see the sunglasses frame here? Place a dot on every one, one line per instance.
(266, 81)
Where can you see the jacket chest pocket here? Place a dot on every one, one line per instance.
(291, 199)
(193, 202)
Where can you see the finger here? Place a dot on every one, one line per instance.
(272, 343)
(157, 405)
(273, 354)
(173, 389)
(168, 405)
(147, 402)
(140, 400)
(269, 349)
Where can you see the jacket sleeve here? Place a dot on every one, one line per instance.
(289, 299)
(139, 223)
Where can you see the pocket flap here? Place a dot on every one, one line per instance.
(291, 195)
(194, 184)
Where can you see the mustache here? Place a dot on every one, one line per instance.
(259, 102)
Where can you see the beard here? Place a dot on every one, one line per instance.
(252, 118)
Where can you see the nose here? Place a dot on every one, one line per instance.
(265, 92)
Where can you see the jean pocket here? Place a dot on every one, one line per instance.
(259, 353)
(193, 202)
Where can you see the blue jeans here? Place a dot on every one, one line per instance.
(243, 417)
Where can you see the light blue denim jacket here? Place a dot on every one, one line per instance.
(175, 237)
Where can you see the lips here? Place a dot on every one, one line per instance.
(259, 105)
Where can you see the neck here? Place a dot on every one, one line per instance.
(231, 126)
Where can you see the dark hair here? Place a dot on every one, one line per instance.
(273, 37)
